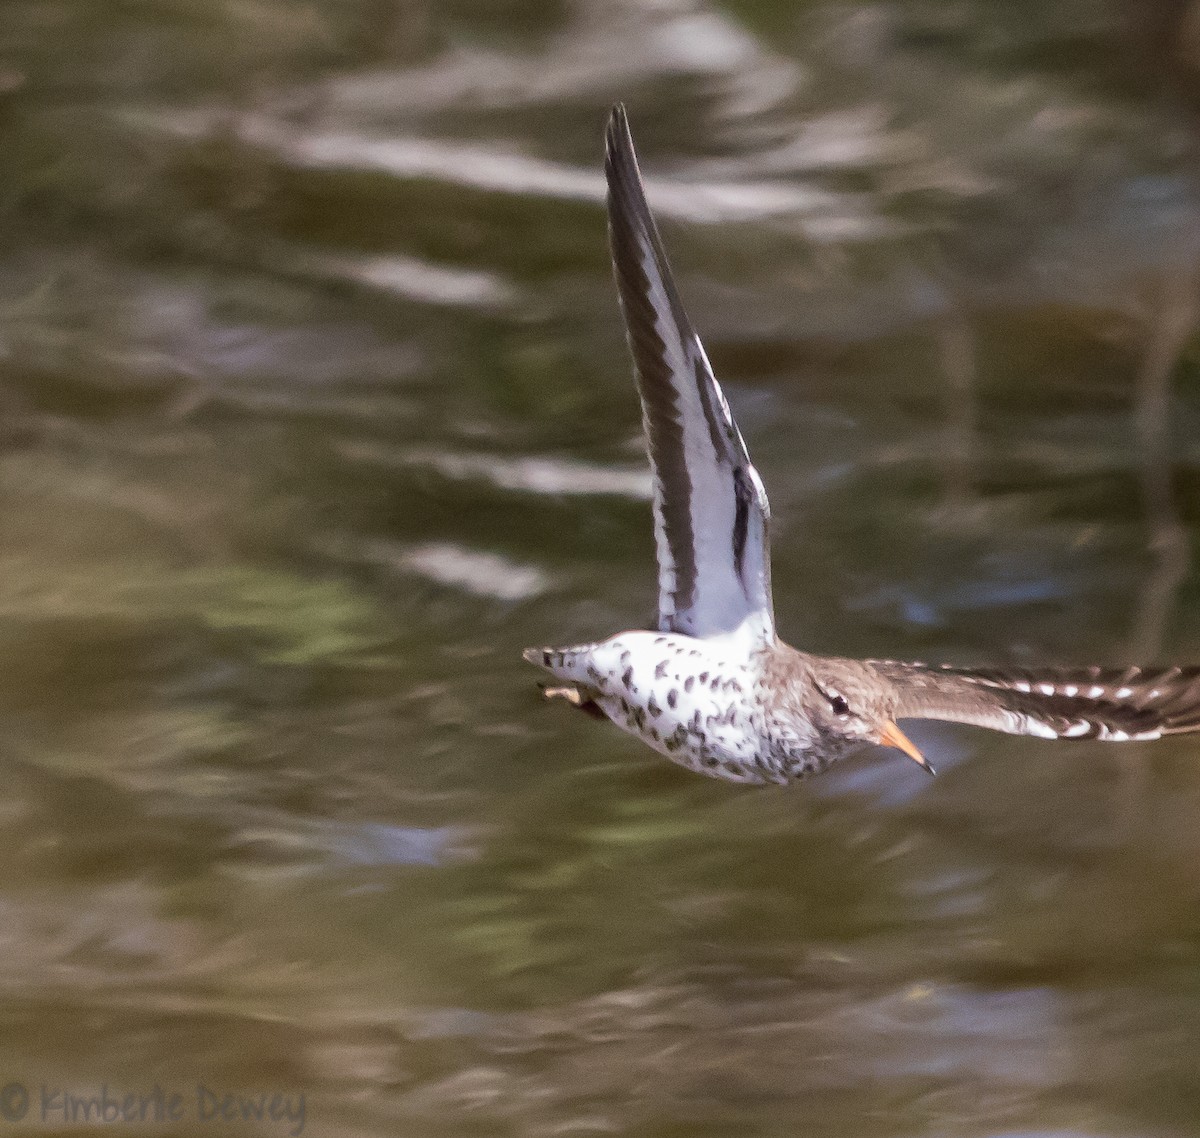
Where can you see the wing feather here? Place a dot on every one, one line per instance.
(1114, 704)
(710, 509)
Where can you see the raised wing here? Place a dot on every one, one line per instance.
(710, 509)
(1112, 704)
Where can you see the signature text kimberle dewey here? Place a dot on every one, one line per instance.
(201, 1104)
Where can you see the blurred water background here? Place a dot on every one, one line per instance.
(315, 409)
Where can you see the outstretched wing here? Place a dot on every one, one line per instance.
(710, 509)
(1053, 703)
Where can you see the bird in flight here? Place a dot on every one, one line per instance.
(713, 687)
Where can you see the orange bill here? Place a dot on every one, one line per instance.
(892, 736)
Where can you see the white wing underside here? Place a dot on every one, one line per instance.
(710, 509)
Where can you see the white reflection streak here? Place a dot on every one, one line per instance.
(486, 169)
(534, 475)
(409, 278)
(473, 571)
(600, 49)
(498, 171)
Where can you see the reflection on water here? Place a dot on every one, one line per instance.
(315, 410)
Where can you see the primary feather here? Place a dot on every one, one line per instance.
(1114, 704)
(710, 509)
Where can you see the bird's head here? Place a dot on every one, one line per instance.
(845, 704)
(849, 700)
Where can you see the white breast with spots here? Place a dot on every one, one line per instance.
(692, 700)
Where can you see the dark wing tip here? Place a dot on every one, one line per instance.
(626, 196)
(633, 234)
(617, 136)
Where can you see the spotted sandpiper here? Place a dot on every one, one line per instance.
(713, 687)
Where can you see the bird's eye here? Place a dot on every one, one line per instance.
(837, 701)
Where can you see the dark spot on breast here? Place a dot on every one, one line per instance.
(660, 670)
(709, 761)
(593, 673)
(660, 640)
(653, 708)
(627, 677)
(638, 718)
(695, 724)
(704, 677)
(672, 697)
(689, 683)
(716, 683)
